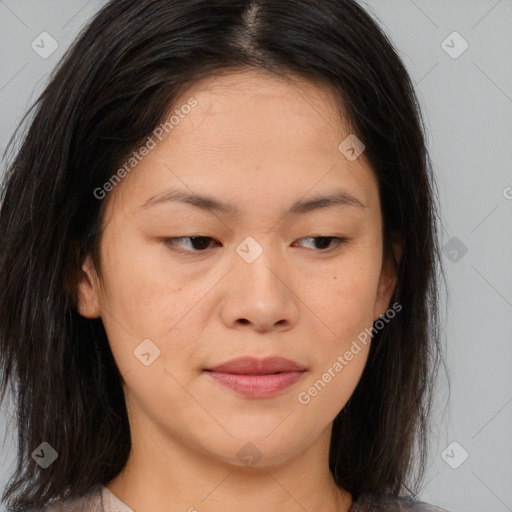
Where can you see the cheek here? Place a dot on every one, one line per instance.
(345, 305)
(164, 308)
(344, 297)
(139, 283)
(333, 380)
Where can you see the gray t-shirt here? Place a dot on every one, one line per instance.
(101, 499)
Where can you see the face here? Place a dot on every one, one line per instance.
(189, 284)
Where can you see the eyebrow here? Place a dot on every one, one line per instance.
(301, 206)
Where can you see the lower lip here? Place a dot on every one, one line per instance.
(257, 386)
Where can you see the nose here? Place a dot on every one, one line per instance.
(259, 296)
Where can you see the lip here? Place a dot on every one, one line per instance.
(257, 378)
(255, 366)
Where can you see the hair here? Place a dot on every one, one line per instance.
(114, 85)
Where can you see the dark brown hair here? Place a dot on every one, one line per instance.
(110, 91)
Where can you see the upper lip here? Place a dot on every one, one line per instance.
(253, 365)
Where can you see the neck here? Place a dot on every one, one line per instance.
(163, 474)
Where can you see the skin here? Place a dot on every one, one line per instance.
(260, 143)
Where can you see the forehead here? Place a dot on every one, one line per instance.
(251, 111)
(252, 137)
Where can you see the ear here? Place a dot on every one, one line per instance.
(387, 281)
(88, 290)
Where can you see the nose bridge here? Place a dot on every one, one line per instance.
(257, 292)
(259, 263)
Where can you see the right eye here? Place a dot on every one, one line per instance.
(196, 243)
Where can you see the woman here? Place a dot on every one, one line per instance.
(219, 266)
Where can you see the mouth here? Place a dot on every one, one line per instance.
(256, 366)
(257, 378)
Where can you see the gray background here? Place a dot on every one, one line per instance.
(467, 103)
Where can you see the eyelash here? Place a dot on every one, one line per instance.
(338, 241)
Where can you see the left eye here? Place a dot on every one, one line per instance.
(325, 241)
(201, 243)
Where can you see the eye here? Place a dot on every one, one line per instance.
(198, 243)
(202, 243)
(326, 242)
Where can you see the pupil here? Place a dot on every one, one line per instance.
(321, 239)
(203, 242)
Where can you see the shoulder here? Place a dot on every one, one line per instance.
(89, 502)
(384, 503)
